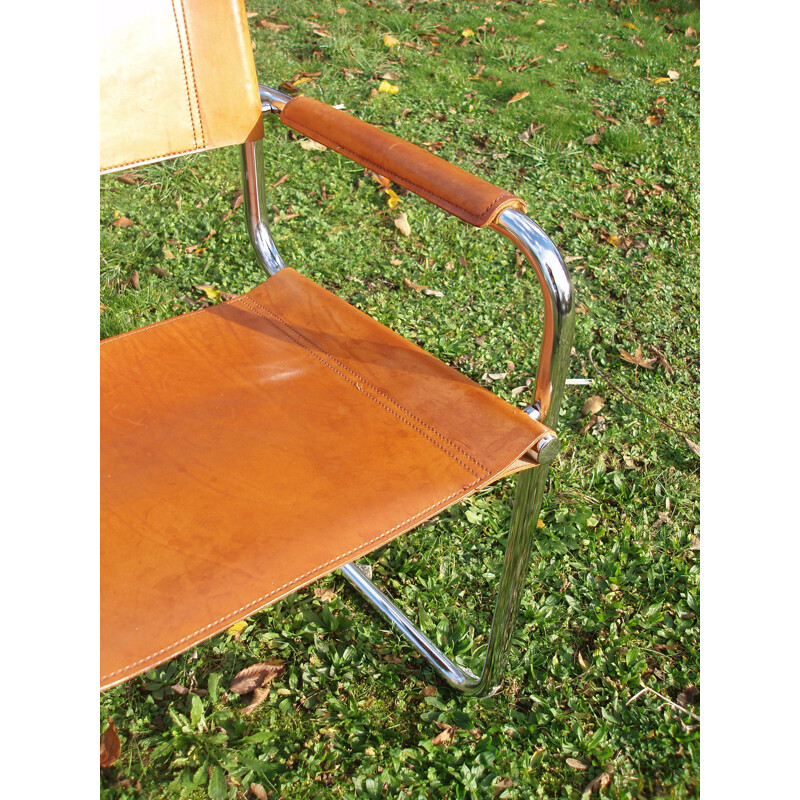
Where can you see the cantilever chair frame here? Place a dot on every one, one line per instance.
(559, 324)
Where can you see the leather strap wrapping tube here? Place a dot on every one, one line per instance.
(466, 196)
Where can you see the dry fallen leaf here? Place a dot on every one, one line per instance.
(255, 677)
(690, 32)
(401, 223)
(411, 285)
(446, 736)
(122, 222)
(238, 199)
(592, 139)
(310, 144)
(236, 629)
(600, 168)
(516, 97)
(693, 446)
(637, 41)
(259, 696)
(501, 785)
(390, 41)
(627, 196)
(133, 281)
(575, 764)
(110, 747)
(256, 789)
(561, 47)
(272, 26)
(282, 179)
(211, 292)
(326, 595)
(652, 120)
(428, 691)
(600, 782)
(673, 75)
(592, 405)
(597, 69)
(540, 22)
(637, 358)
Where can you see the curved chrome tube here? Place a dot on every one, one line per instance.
(559, 310)
(255, 206)
(272, 101)
(559, 326)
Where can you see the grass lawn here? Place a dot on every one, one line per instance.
(590, 112)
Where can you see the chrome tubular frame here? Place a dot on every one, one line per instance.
(559, 325)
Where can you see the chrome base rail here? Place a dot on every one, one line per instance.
(559, 327)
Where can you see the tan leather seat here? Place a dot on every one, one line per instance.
(254, 446)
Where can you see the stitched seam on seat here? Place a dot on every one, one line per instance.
(476, 219)
(355, 383)
(183, 62)
(372, 386)
(261, 600)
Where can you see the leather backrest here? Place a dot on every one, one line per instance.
(177, 77)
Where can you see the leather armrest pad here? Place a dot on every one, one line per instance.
(466, 196)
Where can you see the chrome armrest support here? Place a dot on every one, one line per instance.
(559, 325)
(559, 309)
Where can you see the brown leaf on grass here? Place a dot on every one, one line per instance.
(238, 199)
(592, 139)
(575, 764)
(693, 446)
(282, 179)
(592, 421)
(501, 785)
(637, 359)
(592, 405)
(662, 360)
(627, 196)
(122, 222)
(259, 696)
(652, 120)
(255, 677)
(131, 178)
(516, 97)
(272, 26)
(133, 281)
(258, 791)
(540, 22)
(326, 595)
(637, 41)
(162, 273)
(428, 691)
(530, 130)
(598, 783)
(110, 747)
(690, 32)
(673, 74)
(597, 69)
(607, 117)
(446, 736)
(561, 47)
(417, 287)
(600, 168)
(401, 223)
